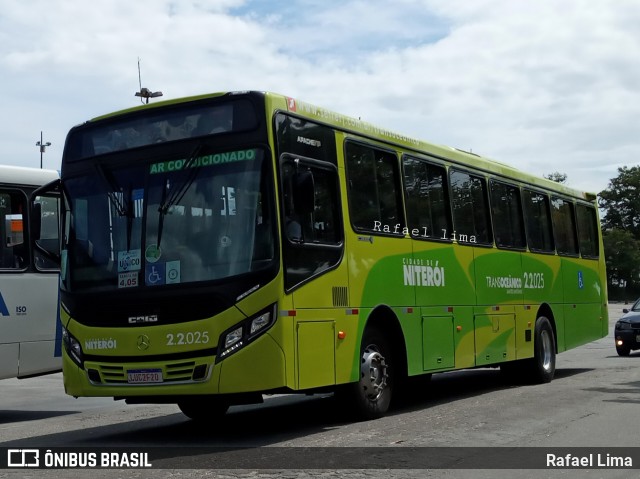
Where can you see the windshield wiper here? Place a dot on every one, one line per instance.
(117, 198)
(129, 214)
(112, 193)
(174, 197)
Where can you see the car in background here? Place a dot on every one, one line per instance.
(627, 330)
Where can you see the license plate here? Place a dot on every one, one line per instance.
(144, 376)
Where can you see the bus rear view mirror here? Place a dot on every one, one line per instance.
(304, 192)
(44, 221)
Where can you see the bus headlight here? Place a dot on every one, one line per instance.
(245, 332)
(233, 337)
(72, 347)
(260, 322)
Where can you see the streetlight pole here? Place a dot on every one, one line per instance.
(43, 147)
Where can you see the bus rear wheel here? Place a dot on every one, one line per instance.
(371, 395)
(542, 366)
(206, 408)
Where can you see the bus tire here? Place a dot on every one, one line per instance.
(371, 395)
(205, 409)
(542, 366)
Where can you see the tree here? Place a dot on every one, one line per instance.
(620, 204)
(557, 177)
(621, 201)
(622, 255)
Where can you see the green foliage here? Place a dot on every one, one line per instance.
(621, 201)
(622, 254)
(620, 204)
(557, 177)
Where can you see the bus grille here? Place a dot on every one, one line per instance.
(172, 372)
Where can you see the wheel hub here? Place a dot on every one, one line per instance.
(373, 369)
(546, 350)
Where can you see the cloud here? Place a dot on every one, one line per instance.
(542, 85)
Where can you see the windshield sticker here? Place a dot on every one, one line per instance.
(207, 160)
(128, 280)
(154, 274)
(173, 272)
(129, 260)
(152, 253)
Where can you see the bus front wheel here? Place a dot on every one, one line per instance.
(203, 409)
(371, 395)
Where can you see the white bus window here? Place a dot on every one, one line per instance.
(14, 254)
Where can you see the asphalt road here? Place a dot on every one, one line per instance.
(593, 402)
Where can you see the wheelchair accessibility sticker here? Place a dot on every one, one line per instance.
(154, 274)
(157, 274)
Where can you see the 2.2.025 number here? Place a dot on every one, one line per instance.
(180, 339)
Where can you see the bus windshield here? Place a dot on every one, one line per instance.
(175, 221)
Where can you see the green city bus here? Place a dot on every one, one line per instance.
(219, 248)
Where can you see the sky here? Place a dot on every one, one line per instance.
(545, 86)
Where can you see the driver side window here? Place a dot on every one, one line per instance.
(321, 224)
(312, 223)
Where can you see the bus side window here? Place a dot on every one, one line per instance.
(311, 199)
(537, 216)
(564, 226)
(375, 194)
(587, 231)
(470, 209)
(311, 219)
(426, 198)
(508, 224)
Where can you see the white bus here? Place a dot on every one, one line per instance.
(30, 330)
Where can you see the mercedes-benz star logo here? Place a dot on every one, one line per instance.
(143, 342)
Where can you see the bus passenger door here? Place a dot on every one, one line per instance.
(313, 241)
(29, 339)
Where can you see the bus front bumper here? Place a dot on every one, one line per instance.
(258, 367)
